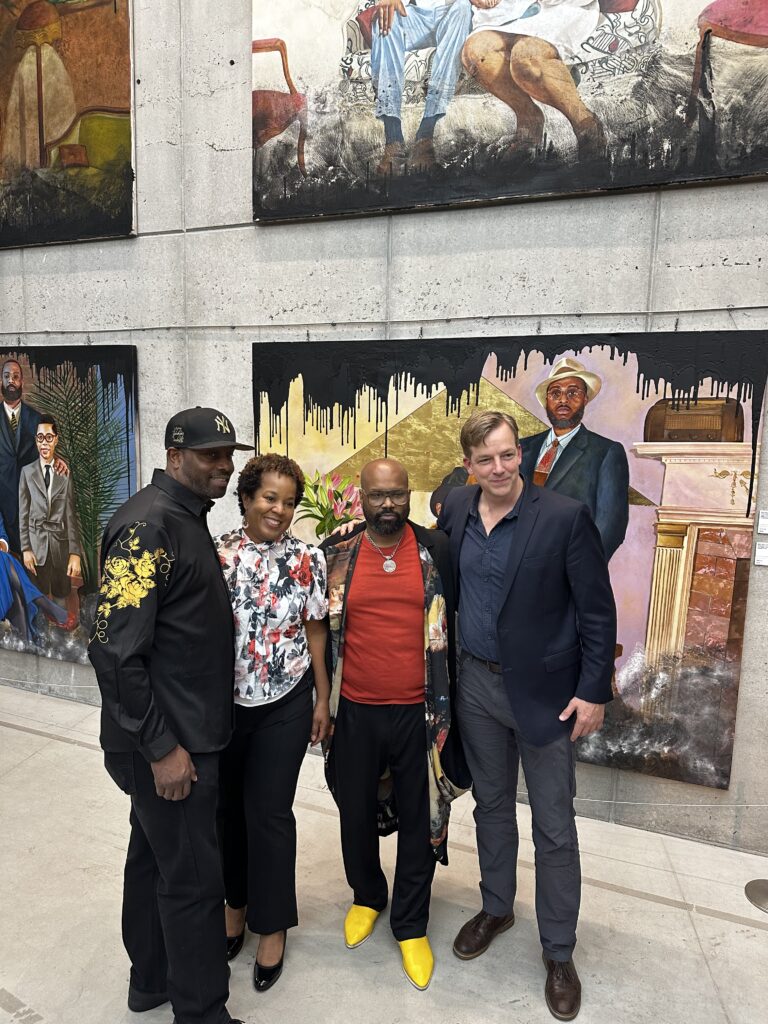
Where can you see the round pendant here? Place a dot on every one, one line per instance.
(389, 565)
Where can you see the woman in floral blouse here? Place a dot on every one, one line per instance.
(277, 586)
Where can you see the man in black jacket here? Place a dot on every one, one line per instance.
(163, 651)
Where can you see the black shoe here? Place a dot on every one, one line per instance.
(235, 944)
(139, 1001)
(265, 977)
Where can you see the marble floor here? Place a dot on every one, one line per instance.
(666, 935)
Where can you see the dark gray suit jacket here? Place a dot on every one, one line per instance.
(593, 470)
(51, 534)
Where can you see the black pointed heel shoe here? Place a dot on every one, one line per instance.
(235, 944)
(265, 977)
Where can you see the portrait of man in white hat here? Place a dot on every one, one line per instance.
(575, 461)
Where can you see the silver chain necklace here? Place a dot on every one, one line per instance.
(389, 564)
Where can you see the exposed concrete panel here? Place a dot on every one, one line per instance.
(105, 286)
(524, 260)
(287, 274)
(217, 113)
(712, 248)
(157, 106)
(11, 291)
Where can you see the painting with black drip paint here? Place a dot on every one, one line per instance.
(681, 412)
(73, 409)
(458, 105)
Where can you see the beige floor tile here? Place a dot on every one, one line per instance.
(16, 746)
(737, 958)
(40, 709)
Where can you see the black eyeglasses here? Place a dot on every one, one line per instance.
(44, 437)
(376, 498)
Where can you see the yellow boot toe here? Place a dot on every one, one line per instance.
(358, 924)
(418, 962)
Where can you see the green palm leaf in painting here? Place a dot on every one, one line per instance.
(93, 441)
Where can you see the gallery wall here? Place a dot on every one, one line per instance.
(199, 285)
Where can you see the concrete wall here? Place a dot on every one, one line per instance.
(200, 284)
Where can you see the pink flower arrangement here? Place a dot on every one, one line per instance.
(330, 500)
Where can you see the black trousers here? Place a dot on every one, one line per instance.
(173, 895)
(259, 773)
(367, 739)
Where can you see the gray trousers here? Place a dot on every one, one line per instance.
(494, 749)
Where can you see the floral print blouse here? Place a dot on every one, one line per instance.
(274, 588)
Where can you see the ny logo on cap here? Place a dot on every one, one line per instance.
(223, 425)
(178, 435)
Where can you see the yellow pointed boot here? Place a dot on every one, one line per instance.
(418, 962)
(358, 924)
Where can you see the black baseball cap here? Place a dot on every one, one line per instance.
(202, 428)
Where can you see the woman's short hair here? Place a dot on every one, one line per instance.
(249, 480)
(480, 424)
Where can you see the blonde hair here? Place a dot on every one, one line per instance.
(475, 430)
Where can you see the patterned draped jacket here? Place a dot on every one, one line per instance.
(439, 663)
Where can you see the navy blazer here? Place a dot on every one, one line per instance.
(12, 459)
(557, 622)
(594, 470)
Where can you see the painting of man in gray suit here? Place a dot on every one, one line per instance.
(48, 526)
(574, 461)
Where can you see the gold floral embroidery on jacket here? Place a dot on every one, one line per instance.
(128, 578)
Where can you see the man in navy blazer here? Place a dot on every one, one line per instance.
(537, 631)
(18, 426)
(583, 465)
(18, 423)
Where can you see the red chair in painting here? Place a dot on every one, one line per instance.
(272, 110)
(738, 21)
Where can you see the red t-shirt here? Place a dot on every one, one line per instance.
(384, 635)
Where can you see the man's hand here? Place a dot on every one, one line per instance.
(30, 562)
(321, 722)
(174, 775)
(60, 467)
(485, 5)
(3, 545)
(344, 528)
(589, 717)
(387, 10)
(73, 565)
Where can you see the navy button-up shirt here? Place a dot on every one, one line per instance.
(483, 561)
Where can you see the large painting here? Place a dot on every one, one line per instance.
(681, 415)
(68, 459)
(361, 106)
(65, 121)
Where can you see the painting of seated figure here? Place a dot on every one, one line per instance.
(393, 105)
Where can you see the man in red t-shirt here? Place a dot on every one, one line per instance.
(391, 606)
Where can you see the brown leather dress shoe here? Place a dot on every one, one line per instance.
(478, 933)
(563, 988)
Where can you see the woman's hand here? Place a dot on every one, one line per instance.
(321, 721)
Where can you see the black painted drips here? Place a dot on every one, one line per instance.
(334, 373)
(113, 361)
